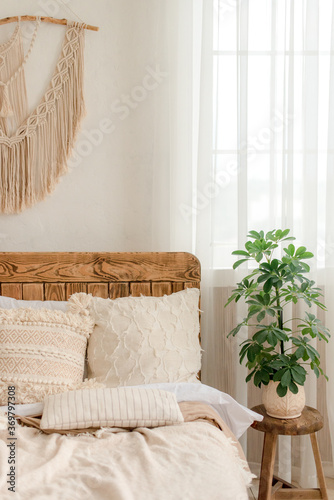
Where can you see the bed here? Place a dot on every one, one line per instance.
(100, 382)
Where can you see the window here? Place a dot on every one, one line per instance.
(271, 72)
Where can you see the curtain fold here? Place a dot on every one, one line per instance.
(244, 139)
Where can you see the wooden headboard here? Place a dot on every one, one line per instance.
(57, 275)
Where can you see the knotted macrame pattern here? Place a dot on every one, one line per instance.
(34, 156)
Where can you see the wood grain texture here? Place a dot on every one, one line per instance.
(267, 466)
(161, 289)
(318, 465)
(137, 289)
(117, 290)
(191, 284)
(305, 494)
(72, 288)
(309, 421)
(177, 287)
(33, 291)
(54, 291)
(98, 290)
(92, 267)
(12, 290)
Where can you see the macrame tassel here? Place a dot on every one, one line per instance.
(33, 159)
(6, 109)
(11, 58)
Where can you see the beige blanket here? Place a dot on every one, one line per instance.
(189, 461)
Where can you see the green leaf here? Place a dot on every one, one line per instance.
(306, 255)
(286, 378)
(293, 388)
(241, 252)
(281, 391)
(249, 376)
(300, 250)
(257, 378)
(272, 339)
(270, 235)
(254, 234)
(239, 262)
(266, 299)
(260, 299)
(299, 353)
(251, 354)
(263, 277)
(266, 266)
(305, 266)
(236, 330)
(274, 264)
(278, 375)
(265, 377)
(260, 316)
(298, 377)
(260, 336)
(259, 257)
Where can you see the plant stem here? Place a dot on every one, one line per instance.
(280, 318)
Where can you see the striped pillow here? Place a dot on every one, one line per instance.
(128, 407)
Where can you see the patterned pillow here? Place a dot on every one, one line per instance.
(41, 352)
(143, 340)
(128, 407)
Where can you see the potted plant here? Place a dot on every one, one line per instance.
(276, 354)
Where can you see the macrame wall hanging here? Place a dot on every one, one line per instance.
(35, 146)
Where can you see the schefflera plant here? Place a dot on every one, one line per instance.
(275, 351)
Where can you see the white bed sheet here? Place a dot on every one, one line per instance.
(236, 416)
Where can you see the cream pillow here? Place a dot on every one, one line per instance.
(128, 407)
(41, 352)
(11, 303)
(143, 340)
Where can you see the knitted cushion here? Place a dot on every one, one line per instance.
(41, 352)
(143, 340)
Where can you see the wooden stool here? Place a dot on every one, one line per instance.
(271, 487)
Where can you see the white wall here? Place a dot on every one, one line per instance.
(104, 202)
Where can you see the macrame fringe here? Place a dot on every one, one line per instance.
(14, 105)
(36, 156)
(6, 109)
(32, 392)
(81, 323)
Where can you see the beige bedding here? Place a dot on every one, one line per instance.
(189, 461)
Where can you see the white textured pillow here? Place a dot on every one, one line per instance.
(143, 340)
(10, 303)
(128, 407)
(41, 352)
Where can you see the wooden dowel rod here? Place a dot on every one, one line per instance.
(53, 20)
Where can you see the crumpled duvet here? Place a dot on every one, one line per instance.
(189, 461)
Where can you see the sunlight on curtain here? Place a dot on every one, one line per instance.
(272, 166)
(245, 140)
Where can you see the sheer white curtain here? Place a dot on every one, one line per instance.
(244, 139)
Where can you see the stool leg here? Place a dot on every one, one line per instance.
(318, 465)
(267, 466)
